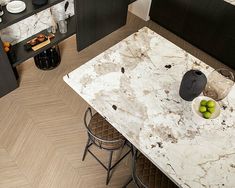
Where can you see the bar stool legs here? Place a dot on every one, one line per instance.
(105, 137)
(86, 149)
(128, 182)
(130, 179)
(109, 167)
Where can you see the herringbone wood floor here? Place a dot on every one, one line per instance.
(42, 135)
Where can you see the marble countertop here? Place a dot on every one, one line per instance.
(135, 86)
(230, 1)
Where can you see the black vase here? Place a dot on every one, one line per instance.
(39, 2)
(192, 84)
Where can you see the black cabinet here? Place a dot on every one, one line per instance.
(8, 80)
(164, 12)
(207, 24)
(131, 1)
(96, 19)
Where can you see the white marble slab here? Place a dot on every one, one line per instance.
(34, 24)
(141, 76)
(230, 1)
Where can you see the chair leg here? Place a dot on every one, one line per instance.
(128, 182)
(109, 167)
(86, 149)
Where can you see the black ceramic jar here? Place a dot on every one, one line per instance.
(192, 84)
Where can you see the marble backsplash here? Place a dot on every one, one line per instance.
(36, 23)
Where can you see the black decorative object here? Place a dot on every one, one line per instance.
(39, 2)
(192, 84)
(66, 5)
(48, 59)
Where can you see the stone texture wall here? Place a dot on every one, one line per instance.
(34, 24)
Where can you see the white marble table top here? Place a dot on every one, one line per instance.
(231, 1)
(135, 85)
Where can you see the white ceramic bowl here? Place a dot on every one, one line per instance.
(196, 105)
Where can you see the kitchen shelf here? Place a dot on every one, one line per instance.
(22, 55)
(9, 18)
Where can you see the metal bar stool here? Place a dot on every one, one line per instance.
(103, 135)
(146, 175)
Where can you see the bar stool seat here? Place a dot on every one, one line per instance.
(103, 130)
(149, 175)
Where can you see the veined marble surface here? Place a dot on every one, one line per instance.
(135, 85)
(230, 1)
(34, 24)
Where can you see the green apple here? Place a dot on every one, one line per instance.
(211, 110)
(207, 115)
(203, 102)
(210, 104)
(202, 109)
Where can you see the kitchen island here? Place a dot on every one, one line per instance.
(135, 86)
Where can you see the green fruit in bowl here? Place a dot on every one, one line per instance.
(210, 104)
(211, 110)
(207, 115)
(208, 109)
(202, 109)
(203, 102)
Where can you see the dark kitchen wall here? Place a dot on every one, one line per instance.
(207, 24)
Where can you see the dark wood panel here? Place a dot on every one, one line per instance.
(224, 44)
(131, 1)
(96, 19)
(9, 18)
(170, 13)
(8, 80)
(207, 24)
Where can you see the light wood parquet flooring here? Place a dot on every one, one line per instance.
(42, 136)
